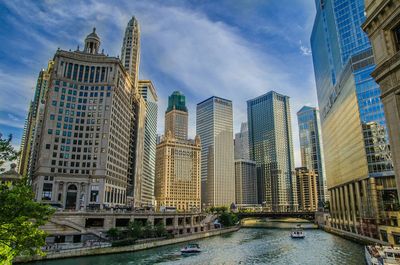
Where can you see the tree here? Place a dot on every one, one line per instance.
(135, 229)
(20, 218)
(7, 151)
(160, 230)
(148, 231)
(113, 233)
(228, 219)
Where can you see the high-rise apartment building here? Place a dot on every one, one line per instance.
(83, 145)
(149, 94)
(245, 182)
(306, 180)
(359, 169)
(383, 28)
(242, 143)
(271, 147)
(214, 125)
(130, 58)
(33, 122)
(178, 179)
(176, 116)
(312, 156)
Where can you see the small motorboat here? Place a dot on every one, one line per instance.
(297, 232)
(191, 249)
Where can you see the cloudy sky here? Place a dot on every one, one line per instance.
(233, 49)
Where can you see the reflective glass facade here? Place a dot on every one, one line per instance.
(148, 93)
(311, 148)
(270, 141)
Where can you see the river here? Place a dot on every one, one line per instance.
(247, 246)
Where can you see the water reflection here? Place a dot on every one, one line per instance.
(247, 246)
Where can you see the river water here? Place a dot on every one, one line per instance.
(247, 246)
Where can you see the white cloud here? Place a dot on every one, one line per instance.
(182, 49)
(304, 50)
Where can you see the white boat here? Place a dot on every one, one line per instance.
(191, 249)
(297, 232)
(382, 255)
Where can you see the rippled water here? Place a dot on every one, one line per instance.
(247, 246)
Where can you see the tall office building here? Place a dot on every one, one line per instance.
(149, 94)
(32, 122)
(312, 156)
(271, 147)
(178, 182)
(242, 143)
(245, 182)
(130, 58)
(215, 128)
(176, 116)
(307, 189)
(83, 145)
(383, 28)
(359, 169)
(130, 51)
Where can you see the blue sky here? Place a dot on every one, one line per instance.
(233, 49)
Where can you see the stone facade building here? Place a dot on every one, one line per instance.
(84, 136)
(382, 26)
(214, 125)
(245, 182)
(307, 189)
(177, 180)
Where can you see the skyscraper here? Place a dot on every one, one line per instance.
(83, 147)
(176, 116)
(215, 128)
(312, 156)
(149, 94)
(130, 51)
(245, 182)
(357, 160)
(33, 123)
(178, 182)
(307, 189)
(130, 58)
(242, 143)
(271, 147)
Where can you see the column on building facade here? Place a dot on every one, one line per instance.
(359, 206)
(374, 199)
(339, 209)
(342, 207)
(347, 204)
(353, 207)
(333, 207)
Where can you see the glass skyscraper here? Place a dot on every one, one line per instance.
(357, 154)
(214, 125)
(311, 148)
(149, 94)
(271, 147)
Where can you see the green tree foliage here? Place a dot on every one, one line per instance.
(7, 151)
(20, 218)
(135, 230)
(148, 231)
(228, 219)
(113, 233)
(160, 230)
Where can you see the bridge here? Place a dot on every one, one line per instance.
(310, 216)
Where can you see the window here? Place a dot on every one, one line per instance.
(396, 32)
(47, 190)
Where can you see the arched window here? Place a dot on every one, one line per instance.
(72, 187)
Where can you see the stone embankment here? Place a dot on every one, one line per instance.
(136, 247)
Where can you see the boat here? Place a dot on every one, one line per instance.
(297, 232)
(382, 255)
(191, 249)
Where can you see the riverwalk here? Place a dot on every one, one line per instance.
(90, 251)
